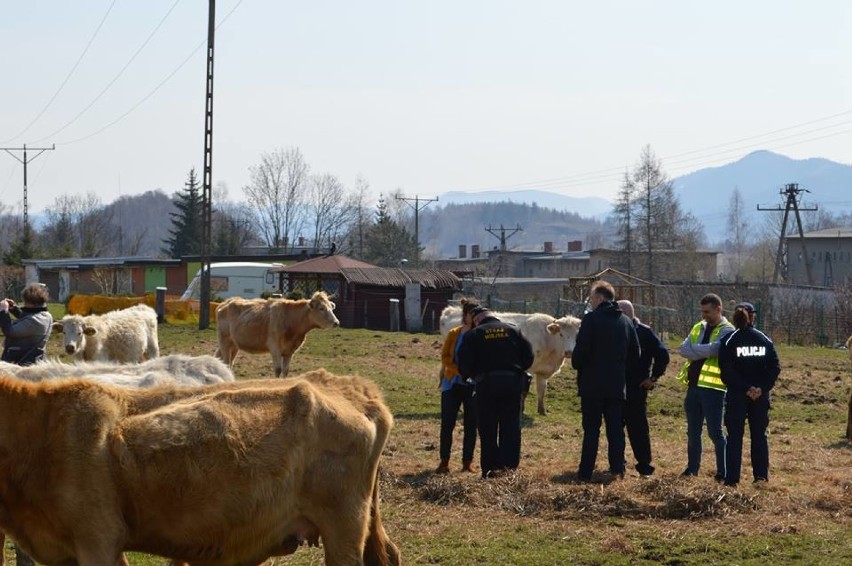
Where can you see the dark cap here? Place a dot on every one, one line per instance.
(748, 307)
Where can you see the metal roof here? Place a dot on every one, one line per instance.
(397, 277)
(325, 264)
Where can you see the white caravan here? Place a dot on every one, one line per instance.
(235, 279)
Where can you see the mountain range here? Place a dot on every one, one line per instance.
(706, 193)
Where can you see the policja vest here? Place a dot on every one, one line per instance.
(710, 375)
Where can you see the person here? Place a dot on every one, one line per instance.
(496, 356)
(641, 378)
(705, 393)
(26, 337)
(606, 346)
(456, 393)
(750, 367)
(25, 343)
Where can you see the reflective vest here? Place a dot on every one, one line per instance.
(711, 375)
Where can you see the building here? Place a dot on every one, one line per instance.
(373, 297)
(827, 254)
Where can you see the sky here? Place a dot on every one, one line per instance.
(425, 97)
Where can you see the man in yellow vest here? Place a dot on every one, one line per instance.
(705, 394)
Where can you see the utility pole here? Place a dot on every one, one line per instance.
(791, 191)
(25, 162)
(207, 191)
(503, 237)
(416, 206)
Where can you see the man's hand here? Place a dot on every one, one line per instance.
(4, 305)
(647, 384)
(754, 393)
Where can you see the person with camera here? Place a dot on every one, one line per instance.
(496, 356)
(26, 337)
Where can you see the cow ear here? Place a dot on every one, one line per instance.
(58, 327)
(90, 330)
(553, 328)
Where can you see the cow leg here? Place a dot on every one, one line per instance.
(343, 539)
(541, 389)
(284, 366)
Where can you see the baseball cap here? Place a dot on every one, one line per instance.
(748, 307)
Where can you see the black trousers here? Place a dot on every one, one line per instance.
(638, 431)
(612, 412)
(498, 398)
(460, 396)
(738, 410)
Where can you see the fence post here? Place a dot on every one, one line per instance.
(394, 315)
(161, 305)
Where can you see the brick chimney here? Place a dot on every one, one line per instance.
(462, 251)
(575, 246)
(474, 251)
(548, 247)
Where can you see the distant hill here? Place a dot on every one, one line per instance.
(759, 176)
(591, 207)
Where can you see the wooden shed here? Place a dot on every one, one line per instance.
(376, 297)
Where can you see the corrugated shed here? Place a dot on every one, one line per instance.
(325, 264)
(396, 277)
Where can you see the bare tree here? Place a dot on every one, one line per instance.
(79, 225)
(326, 200)
(275, 190)
(737, 233)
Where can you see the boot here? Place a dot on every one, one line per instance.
(443, 467)
(467, 466)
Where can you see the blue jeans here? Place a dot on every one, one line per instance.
(704, 404)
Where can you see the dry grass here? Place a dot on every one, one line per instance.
(540, 515)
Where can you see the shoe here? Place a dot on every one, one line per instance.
(645, 470)
(617, 476)
(731, 483)
(467, 466)
(584, 479)
(688, 473)
(443, 467)
(759, 479)
(719, 478)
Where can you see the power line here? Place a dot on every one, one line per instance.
(151, 93)
(67, 77)
(117, 76)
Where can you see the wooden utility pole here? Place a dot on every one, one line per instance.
(791, 191)
(207, 191)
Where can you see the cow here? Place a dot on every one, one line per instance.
(277, 326)
(552, 339)
(230, 473)
(175, 369)
(128, 335)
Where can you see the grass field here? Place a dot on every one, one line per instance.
(540, 516)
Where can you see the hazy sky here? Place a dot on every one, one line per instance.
(425, 96)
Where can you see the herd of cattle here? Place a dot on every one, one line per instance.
(124, 450)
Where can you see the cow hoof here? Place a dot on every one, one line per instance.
(541, 411)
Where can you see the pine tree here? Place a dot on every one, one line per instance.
(186, 222)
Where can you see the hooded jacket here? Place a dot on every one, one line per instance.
(607, 345)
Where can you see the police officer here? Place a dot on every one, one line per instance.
(495, 356)
(749, 365)
(641, 378)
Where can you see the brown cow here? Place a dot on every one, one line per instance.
(231, 473)
(277, 326)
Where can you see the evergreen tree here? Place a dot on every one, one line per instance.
(186, 222)
(387, 243)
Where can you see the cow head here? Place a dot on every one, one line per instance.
(75, 329)
(322, 310)
(566, 328)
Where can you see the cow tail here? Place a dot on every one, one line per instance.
(379, 549)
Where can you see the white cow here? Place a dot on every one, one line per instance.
(128, 335)
(552, 339)
(176, 369)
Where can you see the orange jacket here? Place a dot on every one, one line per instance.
(448, 352)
